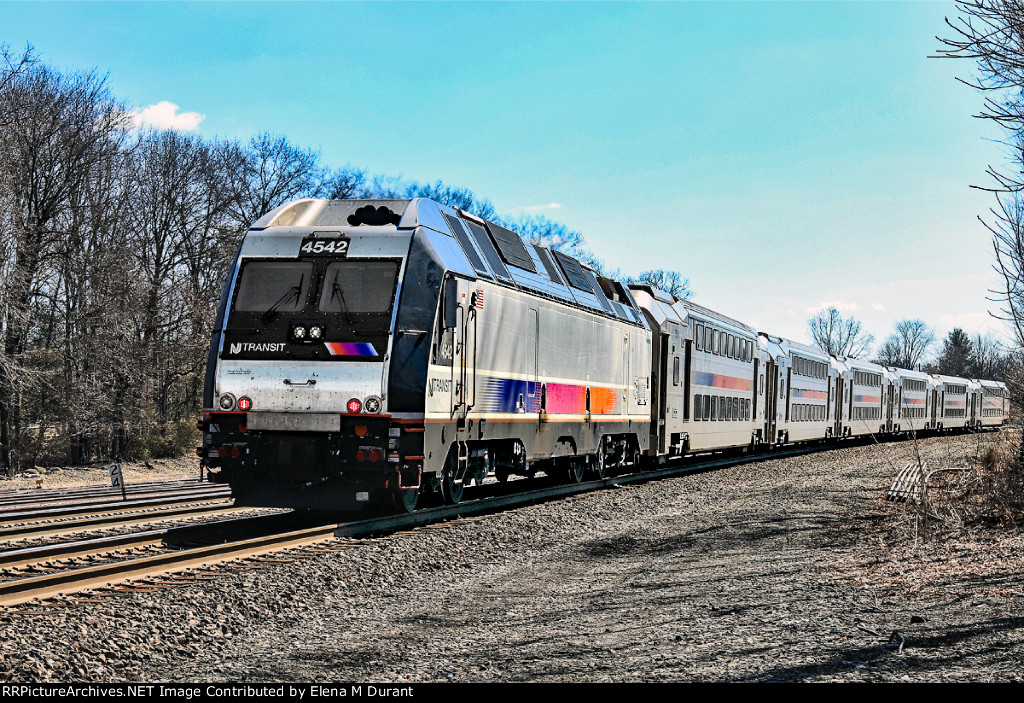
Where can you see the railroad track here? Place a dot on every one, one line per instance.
(69, 506)
(31, 496)
(276, 536)
(60, 512)
(50, 512)
(21, 532)
(492, 497)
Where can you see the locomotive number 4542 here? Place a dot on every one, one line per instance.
(316, 246)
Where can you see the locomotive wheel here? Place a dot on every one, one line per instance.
(405, 500)
(600, 467)
(573, 470)
(451, 491)
(501, 475)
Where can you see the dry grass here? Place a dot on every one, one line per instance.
(1000, 471)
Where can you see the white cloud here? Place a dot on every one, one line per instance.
(877, 306)
(538, 208)
(165, 115)
(837, 304)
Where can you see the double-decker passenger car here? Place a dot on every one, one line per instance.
(804, 388)
(705, 365)
(911, 400)
(993, 404)
(950, 402)
(861, 397)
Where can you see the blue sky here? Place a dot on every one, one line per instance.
(783, 156)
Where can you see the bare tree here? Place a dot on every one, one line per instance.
(269, 172)
(839, 336)
(12, 66)
(671, 282)
(59, 129)
(907, 346)
(991, 34)
(452, 196)
(541, 231)
(989, 358)
(343, 183)
(1007, 228)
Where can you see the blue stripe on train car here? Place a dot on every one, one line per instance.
(501, 395)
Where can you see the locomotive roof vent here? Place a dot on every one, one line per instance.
(374, 216)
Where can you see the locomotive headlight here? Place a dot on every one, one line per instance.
(315, 332)
(227, 401)
(299, 332)
(372, 404)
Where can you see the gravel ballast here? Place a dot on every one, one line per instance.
(785, 570)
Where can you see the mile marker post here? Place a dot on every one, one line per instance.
(116, 480)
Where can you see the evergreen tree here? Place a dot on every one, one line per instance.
(957, 355)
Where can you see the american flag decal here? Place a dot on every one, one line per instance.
(478, 300)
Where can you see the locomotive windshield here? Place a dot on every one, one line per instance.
(274, 285)
(321, 309)
(354, 286)
(345, 286)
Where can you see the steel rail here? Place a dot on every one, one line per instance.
(71, 526)
(34, 556)
(121, 506)
(31, 556)
(57, 503)
(32, 496)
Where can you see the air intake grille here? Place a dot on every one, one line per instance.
(549, 265)
(573, 272)
(490, 253)
(467, 244)
(511, 247)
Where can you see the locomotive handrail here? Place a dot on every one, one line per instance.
(476, 328)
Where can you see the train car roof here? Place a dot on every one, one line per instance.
(788, 346)
(992, 384)
(861, 365)
(942, 378)
(849, 363)
(908, 373)
(663, 305)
